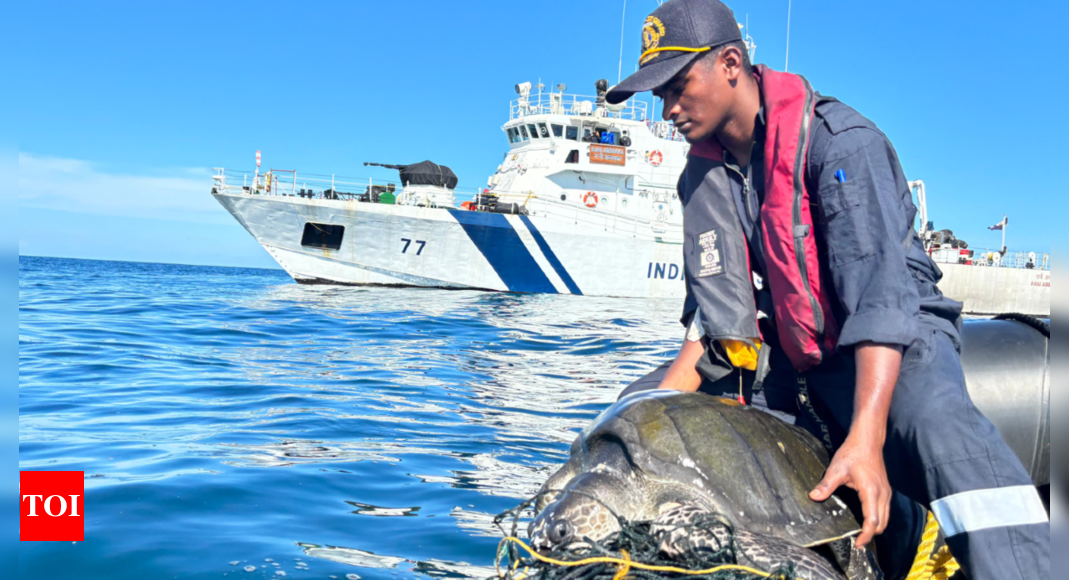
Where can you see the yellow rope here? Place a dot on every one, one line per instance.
(943, 565)
(924, 551)
(624, 568)
(624, 565)
(939, 565)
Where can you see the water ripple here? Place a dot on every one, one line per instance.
(224, 417)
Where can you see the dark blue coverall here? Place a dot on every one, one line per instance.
(941, 452)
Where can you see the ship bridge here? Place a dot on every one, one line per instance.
(571, 152)
(535, 118)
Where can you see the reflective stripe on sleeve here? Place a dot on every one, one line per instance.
(984, 509)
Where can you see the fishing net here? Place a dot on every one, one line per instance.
(632, 553)
(635, 553)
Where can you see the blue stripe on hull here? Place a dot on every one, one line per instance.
(499, 243)
(553, 261)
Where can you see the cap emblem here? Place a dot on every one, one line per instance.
(652, 31)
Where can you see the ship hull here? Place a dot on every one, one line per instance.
(986, 290)
(394, 245)
(397, 245)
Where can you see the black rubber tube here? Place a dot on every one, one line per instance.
(1007, 370)
(1036, 323)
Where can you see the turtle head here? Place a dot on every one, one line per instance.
(586, 508)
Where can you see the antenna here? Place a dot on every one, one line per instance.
(787, 60)
(751, 46)
(620, 69)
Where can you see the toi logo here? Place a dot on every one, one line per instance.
(52, 506)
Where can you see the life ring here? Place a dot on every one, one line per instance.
(656, 158)
(590, 199)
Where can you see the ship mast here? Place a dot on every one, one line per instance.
(620, 69)
(787, 59)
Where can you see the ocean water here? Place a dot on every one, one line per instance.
(233, 424)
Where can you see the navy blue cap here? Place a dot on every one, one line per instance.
(673, 36)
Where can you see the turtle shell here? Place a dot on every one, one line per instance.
(749, 466)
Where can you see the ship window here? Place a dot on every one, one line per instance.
(523, 131)
(512, 138)
(324, 236)
(543, 131)
(558, 130)
(573, 133)
(532, 130)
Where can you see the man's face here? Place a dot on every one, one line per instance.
(697, 99)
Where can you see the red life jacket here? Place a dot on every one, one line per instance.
(807, 332)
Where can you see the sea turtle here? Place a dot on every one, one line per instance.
(669, 457)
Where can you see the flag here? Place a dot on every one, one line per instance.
(1001, 225)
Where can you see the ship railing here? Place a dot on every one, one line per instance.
(290, 183)
(574, 105)
(665, 130)
(1017, 260)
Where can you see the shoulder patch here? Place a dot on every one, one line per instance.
(711, 264)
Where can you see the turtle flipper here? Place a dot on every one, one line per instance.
(863, 566)
(690, 530)
(859, 563)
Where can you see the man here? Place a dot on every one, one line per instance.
(803, 272)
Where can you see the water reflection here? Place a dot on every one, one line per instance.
(382, 512)
(476, 523)
(353, 557)
(362, 559)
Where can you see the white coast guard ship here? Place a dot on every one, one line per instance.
(584, 203)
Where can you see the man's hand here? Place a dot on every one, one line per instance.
(860, 467)
(859, 462)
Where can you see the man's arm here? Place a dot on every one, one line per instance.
(859, 462)
(865, 214)
(682, 375)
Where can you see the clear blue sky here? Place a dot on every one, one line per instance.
(123, 107)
